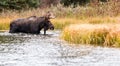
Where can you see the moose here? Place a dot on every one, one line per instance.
(32, 24)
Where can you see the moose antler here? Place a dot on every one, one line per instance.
(49, 15)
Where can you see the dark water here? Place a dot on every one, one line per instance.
(39, 50)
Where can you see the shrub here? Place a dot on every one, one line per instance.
(74, 2)
(18, 4)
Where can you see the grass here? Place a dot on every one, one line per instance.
(95, 14)
(94, 34)
(61, 23)
(4, 23)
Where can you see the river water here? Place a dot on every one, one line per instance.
(39, 50)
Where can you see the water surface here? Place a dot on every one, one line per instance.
(39, 50)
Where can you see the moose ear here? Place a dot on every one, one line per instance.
(49, 15)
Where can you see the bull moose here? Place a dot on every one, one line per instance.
(32, 24)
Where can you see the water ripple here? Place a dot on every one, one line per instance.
(39, 50)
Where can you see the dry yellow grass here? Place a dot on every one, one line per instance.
(103, 13)
(62, 22)
(95, 34)
(4, 23)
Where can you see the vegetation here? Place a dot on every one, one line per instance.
(18, 4)
(94, 34)
(74, 2)
(104, 13)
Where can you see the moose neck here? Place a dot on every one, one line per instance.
(41, 22)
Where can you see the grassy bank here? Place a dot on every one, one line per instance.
(60, 23)
(96, 24)
(101, 13)
(94, 34)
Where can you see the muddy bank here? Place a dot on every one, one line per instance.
(39, 50)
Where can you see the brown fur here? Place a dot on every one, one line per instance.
(31, 24)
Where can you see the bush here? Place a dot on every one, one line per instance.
(80, 2)
(74, 2)
(48, 3)
(18, 4)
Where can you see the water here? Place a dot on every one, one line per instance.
(39, 50)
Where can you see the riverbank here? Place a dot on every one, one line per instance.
(61, 23)
(102, 13)
(93, 34)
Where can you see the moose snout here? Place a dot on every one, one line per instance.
(52, 28)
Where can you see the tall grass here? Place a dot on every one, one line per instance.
(102, 13)
(95, 34)
(60, 23)
(4, 23)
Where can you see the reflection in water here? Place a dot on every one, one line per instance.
(39, 50)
